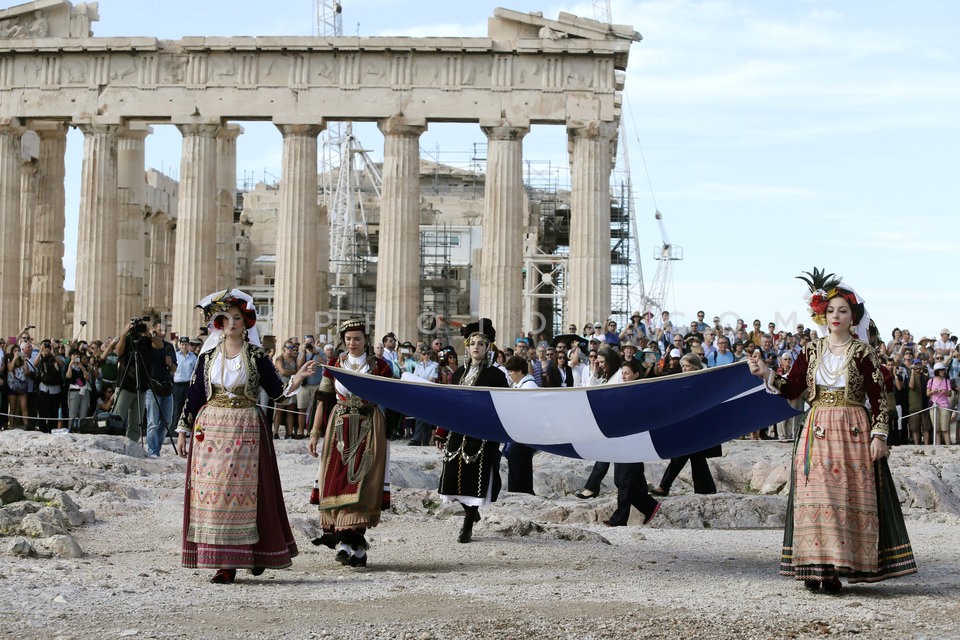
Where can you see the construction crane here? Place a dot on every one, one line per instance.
(666, 254)
(345, 171)
(637, 295)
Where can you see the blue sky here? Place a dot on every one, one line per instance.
(777, 136)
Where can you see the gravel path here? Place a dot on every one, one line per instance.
(523, 577)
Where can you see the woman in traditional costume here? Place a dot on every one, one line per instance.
(843, 515)
(233, 513)
(353, 486)
(471, 467)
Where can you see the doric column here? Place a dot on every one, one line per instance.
(47, 275)
(158, 270)
(10, 285)
(398, 261)
(588, 287)
(132, 198)
(96, 289)
(504, 214)
(29, 172)
(298, 231)
(226, 201)
(195, 266)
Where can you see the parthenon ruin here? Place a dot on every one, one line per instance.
(54, 74)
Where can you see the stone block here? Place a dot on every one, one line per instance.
(43, 524)
(62, 546)
(19, 547)
(10, 490)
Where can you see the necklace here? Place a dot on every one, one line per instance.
(832, 374)
(840, 344)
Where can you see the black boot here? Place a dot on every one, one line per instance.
(328, 539)
(355, 540)
(471, 515)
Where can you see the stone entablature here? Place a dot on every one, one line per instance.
(313, 79)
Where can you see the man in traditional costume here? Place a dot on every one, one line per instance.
(352, 480)
(471, 467)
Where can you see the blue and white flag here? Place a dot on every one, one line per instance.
(636, 421)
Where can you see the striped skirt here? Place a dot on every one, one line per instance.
(233, 511)
(843, 515)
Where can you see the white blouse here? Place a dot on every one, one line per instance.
(233, 376)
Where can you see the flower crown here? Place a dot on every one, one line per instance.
(823, 286)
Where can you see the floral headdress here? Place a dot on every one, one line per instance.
(217, 304)
(825, 286)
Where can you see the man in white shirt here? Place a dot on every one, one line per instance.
(944, 345)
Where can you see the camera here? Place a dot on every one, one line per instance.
(139, 325)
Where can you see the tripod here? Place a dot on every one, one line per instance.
(141, 375)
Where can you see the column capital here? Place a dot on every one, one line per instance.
(11, 126)
(309, 130)
(503, 130)
(203, 130)
(136, 131)
(48, 129)
(400, 126)
(94, 128)
(592, 129)
(230, 131)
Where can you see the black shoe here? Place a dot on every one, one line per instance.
(585, 494)
(257, 571)
(660, 493)
(832, 586)
(811, 585)
(414, 443)
(343, 556)
(466, 531)
(329, 540)
(357, 561)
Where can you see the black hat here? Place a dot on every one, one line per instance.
(484, 327)
(354, 324)
(184, 339)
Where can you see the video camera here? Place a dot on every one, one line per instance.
(139, 325)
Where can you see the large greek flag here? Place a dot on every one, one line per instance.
(629, 422)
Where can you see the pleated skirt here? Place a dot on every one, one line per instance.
(843, 515)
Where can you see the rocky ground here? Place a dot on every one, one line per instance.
(92, 551)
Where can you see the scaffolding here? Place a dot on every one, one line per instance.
(439, 286)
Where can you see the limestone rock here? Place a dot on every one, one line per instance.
(66, 505)
(44, 523)
(20, 547)
(62, 546)
(10, 490)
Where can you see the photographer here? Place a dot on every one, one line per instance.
(132, 347)
(51, 382)
(306, 394)
(161, 363)
(79, 380)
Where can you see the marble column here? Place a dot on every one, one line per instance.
(298, 232)
(10, 132)
(504, 216)
(226, 201)
(588, 286)
(29, 179)
(157, 271)
(47, 274)
(132, 198)
(398, 261)
(96, 290)
(195, 265)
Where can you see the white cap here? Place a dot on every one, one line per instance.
(676, 353)
(939, 366)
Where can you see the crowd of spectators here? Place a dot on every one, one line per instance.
(57, 384)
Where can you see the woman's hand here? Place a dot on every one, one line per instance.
(312, 446)
(878, 449)
(182, 444)
(306, 371)
(758, 367)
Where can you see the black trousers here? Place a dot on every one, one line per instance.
(702, 478)
(48, 406)
(597, 474)
(179, 399)
(520, 468)
(632, 491)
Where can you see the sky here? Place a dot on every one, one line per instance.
(773, 137)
